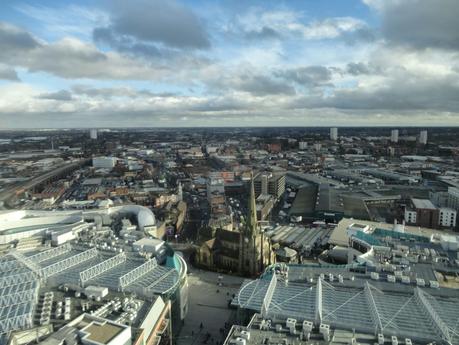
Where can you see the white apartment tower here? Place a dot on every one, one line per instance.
(303, 145)
(394, 136)
(93, 134)
(423, 137)
(334, 133)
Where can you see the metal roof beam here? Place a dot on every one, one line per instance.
(102, 267)
(376, 318)
(51, 253)
(442, 328)
(318, 302)
(269, 295)
(136, 273)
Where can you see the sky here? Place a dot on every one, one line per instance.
(185, 63)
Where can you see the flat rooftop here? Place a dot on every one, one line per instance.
(423, 203)
(273, 337)
(102, 332)
(339, 235)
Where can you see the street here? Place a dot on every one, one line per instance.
(208, 307)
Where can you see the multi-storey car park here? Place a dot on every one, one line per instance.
(80, 264)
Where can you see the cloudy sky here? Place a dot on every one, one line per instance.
(118, 63)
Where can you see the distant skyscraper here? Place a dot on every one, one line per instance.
(423, 137)
(334, 133)
(93, 134)
(394, 136)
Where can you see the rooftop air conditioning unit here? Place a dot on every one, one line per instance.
(239, 341)
(262, 324)
(374, 275)
(291, 323)
(245, 335)
(307, 326)
(406, 280)
(420, 282)
(434, 284)
(325, 331)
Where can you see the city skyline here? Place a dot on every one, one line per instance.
(68, 64)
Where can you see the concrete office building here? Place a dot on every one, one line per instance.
(453, 198)
(270, 184)
(394, 136)
(427, 215)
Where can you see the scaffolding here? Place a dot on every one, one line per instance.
(136, 273)
(25, 295)
(51, 253)
(102, 267)
(7, 265)
(16, 316)
(31, 265)
(15, 279)
(74, 260)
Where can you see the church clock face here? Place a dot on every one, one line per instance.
(246, 239)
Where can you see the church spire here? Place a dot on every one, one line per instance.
(252, 210)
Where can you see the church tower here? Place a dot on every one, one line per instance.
(179, 192)
(255, 248)
(252, 224)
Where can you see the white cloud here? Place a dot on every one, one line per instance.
(286, 23)
(69, 20)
